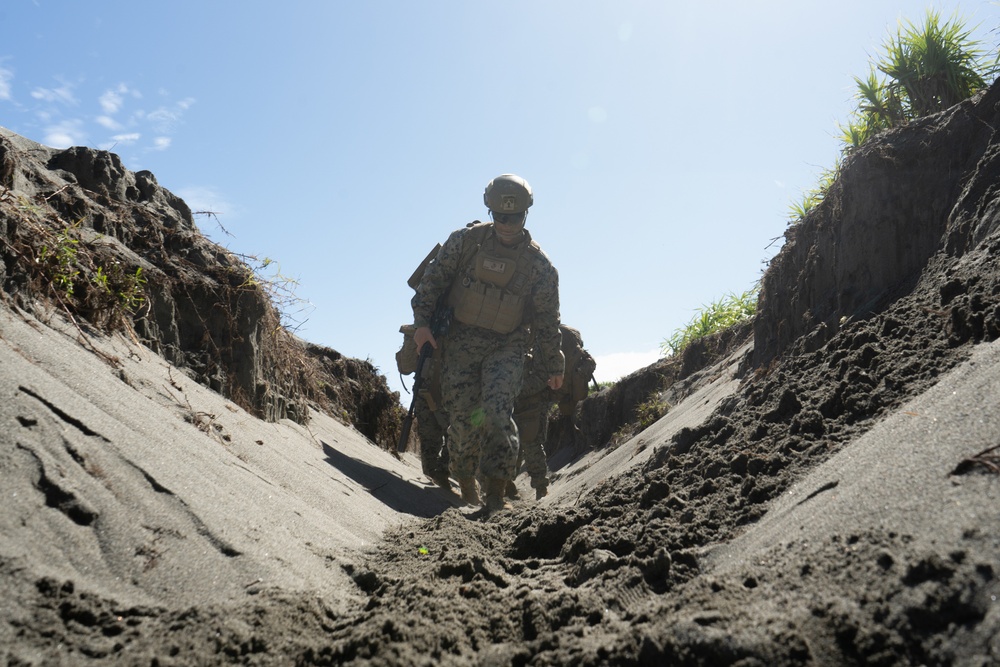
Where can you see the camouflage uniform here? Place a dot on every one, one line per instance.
(482, 369)
(432, 425)
(531, 412)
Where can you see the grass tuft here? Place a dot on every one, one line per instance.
(722, 314)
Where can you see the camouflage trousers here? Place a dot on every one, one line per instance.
(531, 414)
(431, 428)
(480, 380)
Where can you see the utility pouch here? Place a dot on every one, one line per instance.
(407, 356)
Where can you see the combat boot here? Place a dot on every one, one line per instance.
(470, 490)
(495, 501)
(541, 491)
(440, 478)
(511, 491)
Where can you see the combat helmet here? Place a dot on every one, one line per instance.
(508, 193)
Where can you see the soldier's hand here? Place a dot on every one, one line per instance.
(423, 335)
(555, 382)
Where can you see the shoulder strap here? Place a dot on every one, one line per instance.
(474, 238)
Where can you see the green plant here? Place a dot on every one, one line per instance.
(931, 67)
(123, 289)
(644, 415)
(648, 412)
(716, 316)
(57, 260)
(925, 68)
(814, 196)
(131, 294)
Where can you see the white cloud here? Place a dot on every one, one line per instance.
(162, 119)
(161, 143)
(613, 367)
(108, 122)
(65, 134)
(206, 198)
(63, 94)
(165, 118)
(117, 140)
(111, 101)
(6, 76)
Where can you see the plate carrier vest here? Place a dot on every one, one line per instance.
(491, 286)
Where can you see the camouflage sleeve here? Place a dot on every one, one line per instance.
(534, 381)
(437, 279)
(545, 301)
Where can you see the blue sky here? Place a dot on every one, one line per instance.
(664, 140)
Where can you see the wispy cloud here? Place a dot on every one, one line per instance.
(161, 122)
(65, 134)
(108, 123)
(117, 140)
(165, 119)
(111, 100)
(6, 76)
(207, 198)
(115, 117)
(61, 95)
(127, 139)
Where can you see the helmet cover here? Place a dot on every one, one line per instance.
(508, 193)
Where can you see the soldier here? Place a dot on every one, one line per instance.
(432, 422)
(501, 287)
(531, 411)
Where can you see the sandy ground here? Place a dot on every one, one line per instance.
(149, 521)
(124, 476)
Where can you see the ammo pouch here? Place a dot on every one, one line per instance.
(482, 305)
(407, 356)
(492, 294)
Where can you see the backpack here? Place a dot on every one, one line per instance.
(579, 371)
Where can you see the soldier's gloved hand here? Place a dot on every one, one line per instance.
(555, 382)
(423, 335)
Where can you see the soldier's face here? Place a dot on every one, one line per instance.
(509, 227)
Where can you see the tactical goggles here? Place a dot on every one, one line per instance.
(509, 218)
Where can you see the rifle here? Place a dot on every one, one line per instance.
(440, 323)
